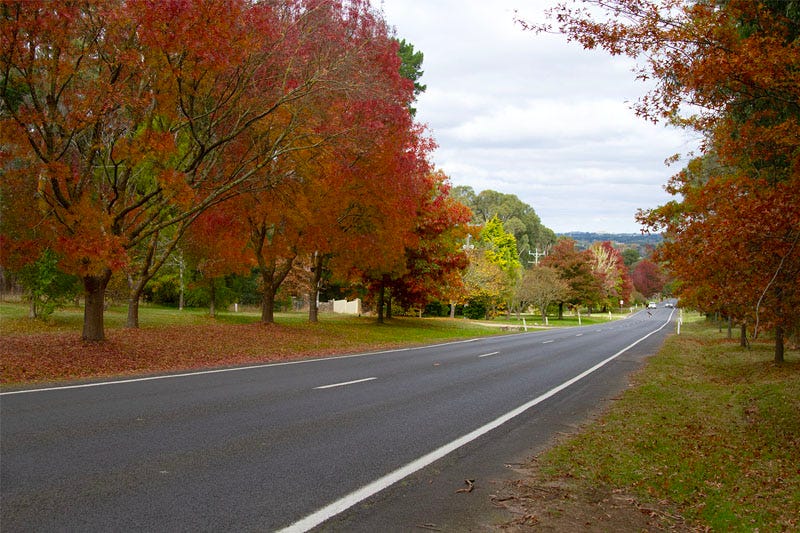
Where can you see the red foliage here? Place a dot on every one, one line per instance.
(27, 358)
(648, 278)
(574, 267)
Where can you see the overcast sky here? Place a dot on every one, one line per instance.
(535, 116)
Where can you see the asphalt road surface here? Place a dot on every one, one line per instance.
(365, 442)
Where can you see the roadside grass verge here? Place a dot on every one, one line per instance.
(710, 429)
(170, 340)
(555, 322)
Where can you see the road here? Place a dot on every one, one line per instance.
(289, 445)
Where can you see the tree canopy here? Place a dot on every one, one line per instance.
(283, 125)
(517, 217)
(731, 71)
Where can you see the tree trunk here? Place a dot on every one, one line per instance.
(272, 276)
(147, 269)
(730, 327)
(313, 309)
(743, 335)
(268, 305)
(452, 310)
(132, 321)
(388, 297)
(212, 298)
(779, 344)
(561, 310)
(32, 308)
(381, 302)
(95, 294)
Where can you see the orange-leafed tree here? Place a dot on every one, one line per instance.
(339, 186)
(132, 118)
(382, 214)
(733, 243)
(102, 111)
(736, 64)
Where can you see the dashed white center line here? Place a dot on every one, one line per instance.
(488, 354)
(547, 342)
(579, 335)
(343, 384)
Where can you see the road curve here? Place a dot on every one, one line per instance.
(282, 446)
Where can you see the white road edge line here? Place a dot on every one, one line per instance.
(358, 495)
(344, 384)
(548, 342)
(230, 369)
(488, 354)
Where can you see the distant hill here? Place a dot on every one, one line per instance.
(638, 240)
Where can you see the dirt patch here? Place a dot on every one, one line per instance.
(543, 503)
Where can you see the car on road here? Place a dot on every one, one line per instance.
(652, 305)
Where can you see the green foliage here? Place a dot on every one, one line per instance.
(630, 256)
(411, 67)
(501, 246)
(476, 309)
(437, 308)
(48, 288)
(163, 289)
(245, 288)
(518, 218)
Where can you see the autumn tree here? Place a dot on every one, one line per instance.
(648, 278)
(575, 268)
(500, 248)
(435, 258)
(132, 118)
(109, 107)
(735, 63)
(486, 285)
(345, 204)
(609, 269)
(540, 286)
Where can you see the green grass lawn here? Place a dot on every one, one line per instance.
(14, 320)
(171, 340)
(711, 428)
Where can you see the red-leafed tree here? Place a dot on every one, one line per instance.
(381, 223)
(116, 109)
(344, 189)
(648, 278)
(435, 258)
(733, 236)
(575, 268)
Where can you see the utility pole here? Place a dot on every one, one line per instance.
(536, 255)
